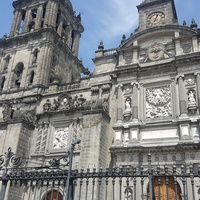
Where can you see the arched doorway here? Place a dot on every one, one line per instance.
(53, 195)
(161, 189)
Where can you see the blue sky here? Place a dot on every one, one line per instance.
(105, 20)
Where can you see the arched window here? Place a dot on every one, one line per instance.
(53, 195)
(2, 82)
(18, 74)
(32, 74)
(22, 22)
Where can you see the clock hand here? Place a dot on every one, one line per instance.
(156, 18)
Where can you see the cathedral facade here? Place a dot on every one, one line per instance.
(142, 96)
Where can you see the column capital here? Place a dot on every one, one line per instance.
(181, 76)
(135, 84)
(120, 86)
(197, 73)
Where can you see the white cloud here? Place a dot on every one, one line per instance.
(105, 20)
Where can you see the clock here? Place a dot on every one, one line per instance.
(156, 18)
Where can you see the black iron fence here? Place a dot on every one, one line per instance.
(142, 182)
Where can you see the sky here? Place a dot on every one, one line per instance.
(105, 20)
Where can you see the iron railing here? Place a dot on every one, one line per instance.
(141, 182)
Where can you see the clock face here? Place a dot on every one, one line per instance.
(156, 18)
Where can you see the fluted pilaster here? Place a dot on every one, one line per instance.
(39, 17)
(182, 96)
(135, 101)
(119, 104)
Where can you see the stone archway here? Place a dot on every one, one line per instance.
(161, 188)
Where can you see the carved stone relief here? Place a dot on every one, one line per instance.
(128, 59)
(187, 48)
(66, 102)
(11, 113)
(158, 102)
(155, 52)
(189, 81)
(60, 138)
(42, 130)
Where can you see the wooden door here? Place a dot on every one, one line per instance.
(161, 189)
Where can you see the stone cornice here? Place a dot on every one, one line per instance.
(141, 149)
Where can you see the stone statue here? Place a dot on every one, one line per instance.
(55, 105)
(47, 106)
(128, 112)
(128, 104)
(65, 104)
(191, 98)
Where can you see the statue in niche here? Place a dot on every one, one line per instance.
(191, 98)
(128, 104)
(35, 56)
(192, 106)
(128, 112)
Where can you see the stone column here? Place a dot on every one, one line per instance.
(47, 14)
(60, 28)
(135, 101)
(135, 52)
(15, 22)
(48, 65)
(198, 88)
(75, 46)
(39, 17)
(69, 35)
(178, 43)
(27, 21)
(42, 73)
(195, 44)
(182, 96)
(53, 10)
(119, 104)
(55, 13)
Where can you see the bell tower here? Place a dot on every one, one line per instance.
(154, 13)
(42, 46)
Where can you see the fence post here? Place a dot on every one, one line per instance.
(67, 197)
(6, 160)
(4, 185)
(151, 186)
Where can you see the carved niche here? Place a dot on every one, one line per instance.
(158, 102)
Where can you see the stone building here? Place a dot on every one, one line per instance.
(143, 96)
